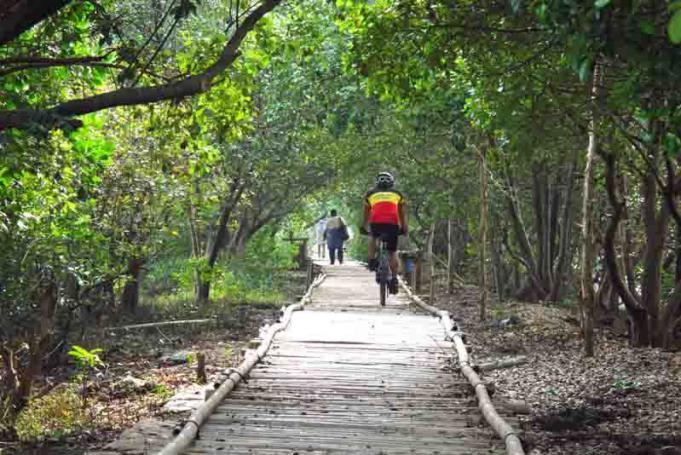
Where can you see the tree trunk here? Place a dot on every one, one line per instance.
(450, 256)
(497, 266)
(671, 318)
(655, 230)
(677, 268)
(539, 197)
(201, 289)
(483, 232)
(561, 263)
(587, 262)
(534, 287)
(10, 376)
(638, 318)
(131, 290)
(431, 263)
(38, 344)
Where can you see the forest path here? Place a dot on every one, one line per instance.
(348, 376)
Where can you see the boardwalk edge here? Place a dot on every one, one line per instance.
(190, 430)
(503, 429)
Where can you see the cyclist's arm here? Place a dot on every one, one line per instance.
(402, 213)
(367, 214)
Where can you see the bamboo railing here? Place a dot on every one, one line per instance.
(498, 424)
(191, 427)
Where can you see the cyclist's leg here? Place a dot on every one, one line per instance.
(394, 263)
(391, 233)
(371, 248)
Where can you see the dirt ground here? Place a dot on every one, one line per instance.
(146, 367)
(623, 401)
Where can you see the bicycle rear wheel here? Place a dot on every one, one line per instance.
(384, 291)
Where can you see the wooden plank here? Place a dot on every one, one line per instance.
(351, 377)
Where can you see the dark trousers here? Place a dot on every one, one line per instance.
(333, 252)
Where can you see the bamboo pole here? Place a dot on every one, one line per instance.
(160, 324)
(503, 363)
(498, 424)
(191, 428)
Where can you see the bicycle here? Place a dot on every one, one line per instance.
(383, 273)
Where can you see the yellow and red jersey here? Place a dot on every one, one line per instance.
(384, 205)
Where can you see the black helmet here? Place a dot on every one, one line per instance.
(385, 180)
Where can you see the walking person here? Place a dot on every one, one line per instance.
(320, 230)
(336, 234)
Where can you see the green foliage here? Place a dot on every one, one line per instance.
(253, 277)
(323, 96)
(85, 360)
(674, 26)
(624, 384)
(55, 415)
(162, 391)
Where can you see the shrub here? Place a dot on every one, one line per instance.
(54, 415)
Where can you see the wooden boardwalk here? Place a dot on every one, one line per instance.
(348, 376)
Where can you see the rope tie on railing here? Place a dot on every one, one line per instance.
(238, 373)
(183, 423)
(474, 385)
(511, 432)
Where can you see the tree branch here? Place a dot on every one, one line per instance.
(192, 85)
(19, 15)
(629, 300)
(89, 61)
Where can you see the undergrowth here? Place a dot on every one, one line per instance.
(55, 415)
(255, 277)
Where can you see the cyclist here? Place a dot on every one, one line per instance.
(385, 214)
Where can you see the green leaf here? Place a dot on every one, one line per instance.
(585, 69)
(647, 27)
(600, 4)
(672, 144)
(674, 28)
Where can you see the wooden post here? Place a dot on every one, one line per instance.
(201, 377)
(418, 272)
(309, 274)
(303, 249)
(483, 232)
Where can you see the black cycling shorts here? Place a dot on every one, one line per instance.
(388, 231)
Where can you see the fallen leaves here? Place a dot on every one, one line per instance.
(624, 401)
